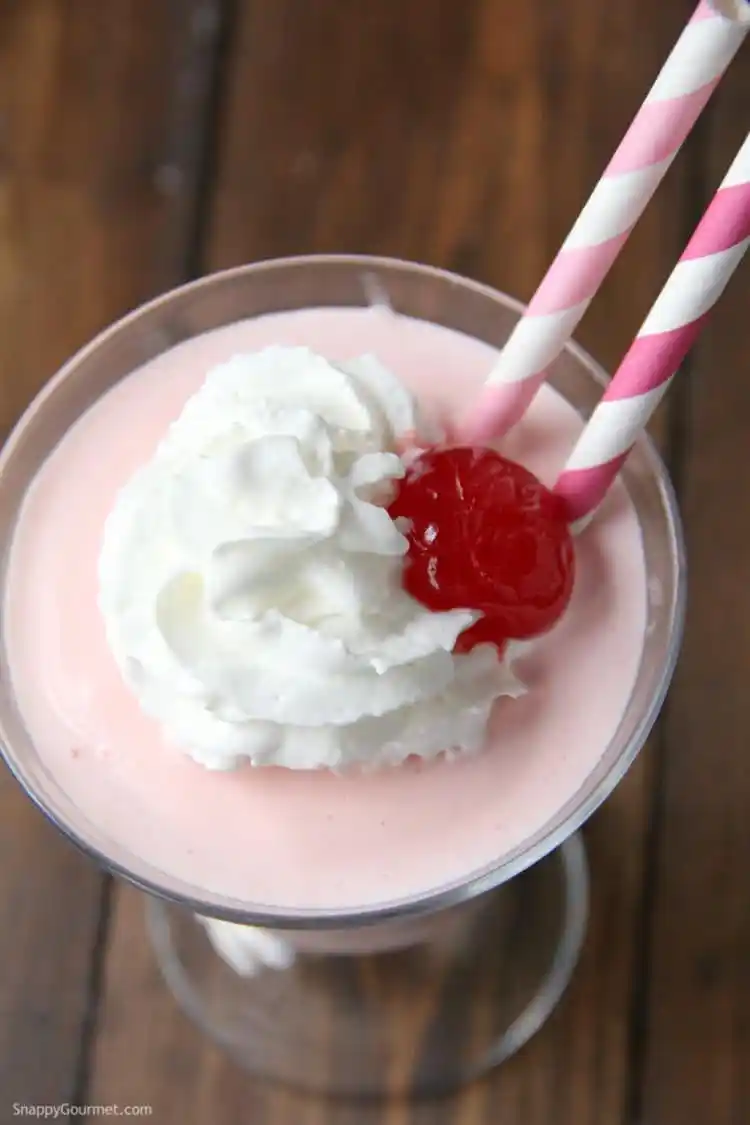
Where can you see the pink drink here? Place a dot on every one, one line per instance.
(284, 839)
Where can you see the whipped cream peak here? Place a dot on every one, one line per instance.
(250, 578)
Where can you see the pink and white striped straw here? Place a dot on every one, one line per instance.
(666, 336)
(689, 76)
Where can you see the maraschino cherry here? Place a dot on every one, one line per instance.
(485, 534)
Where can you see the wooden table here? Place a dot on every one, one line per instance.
(145, 141)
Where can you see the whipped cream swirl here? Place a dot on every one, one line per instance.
(249, 578)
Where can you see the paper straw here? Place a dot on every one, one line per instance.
(686, 82)
(667, 334)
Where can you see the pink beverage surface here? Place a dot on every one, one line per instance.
(276, 837)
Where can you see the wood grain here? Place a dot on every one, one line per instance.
(466, 135)
(97, 182)
(698, 1046)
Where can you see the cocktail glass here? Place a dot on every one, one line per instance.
(419, 995)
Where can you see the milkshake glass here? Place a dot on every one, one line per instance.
(327, 999)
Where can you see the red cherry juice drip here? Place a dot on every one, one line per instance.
(485, 534)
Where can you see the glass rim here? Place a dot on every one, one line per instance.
(525, 855)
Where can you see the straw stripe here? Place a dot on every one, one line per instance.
(659, 131)
(617, 419)
(580, 484)
(648, 354)
(570, 281)
(724, 225)
(691, 72)
(739, 173)
(706, 40)
(694, 286)
(614, 203)
(535, 339)
(666, 336)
